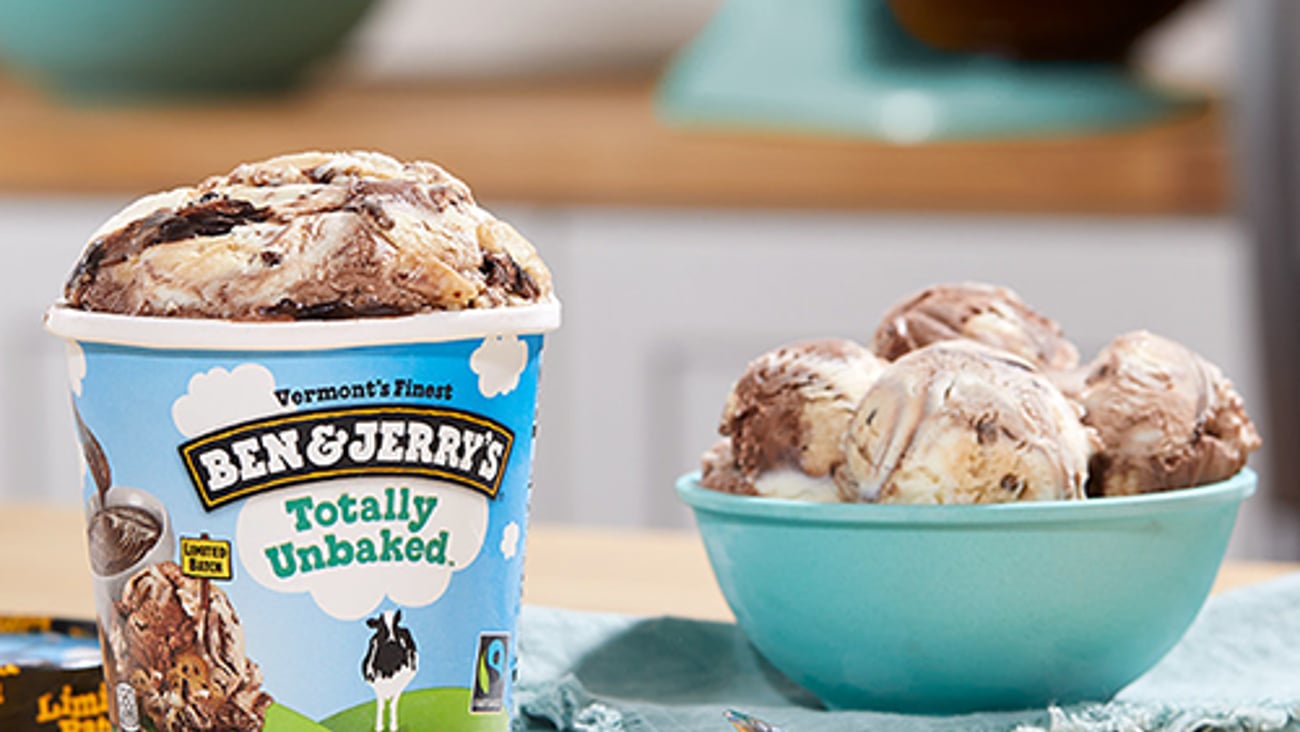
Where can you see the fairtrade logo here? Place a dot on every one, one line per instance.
(490, 671)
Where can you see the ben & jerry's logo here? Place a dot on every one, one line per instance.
(252, 457)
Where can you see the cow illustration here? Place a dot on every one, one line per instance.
(389, 665)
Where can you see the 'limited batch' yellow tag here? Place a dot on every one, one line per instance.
(205, 558)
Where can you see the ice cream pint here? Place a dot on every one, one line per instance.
(305, 392)
(50, 679)
(319, 529)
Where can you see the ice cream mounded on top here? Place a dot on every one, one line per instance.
(308, 236)
(974, 397)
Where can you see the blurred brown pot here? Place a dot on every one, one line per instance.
(1083, 30)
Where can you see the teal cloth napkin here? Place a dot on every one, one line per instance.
(1238, 668)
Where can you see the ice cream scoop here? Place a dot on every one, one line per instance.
(308, 236)
(787, 413)
(959, 422)
(991, 315)
(1167, 418)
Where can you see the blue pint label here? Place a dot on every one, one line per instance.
(308, 541)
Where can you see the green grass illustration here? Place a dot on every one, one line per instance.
(280, 718)
(446, 710)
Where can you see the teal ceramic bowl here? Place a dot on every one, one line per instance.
(949, 609)
(148, 48)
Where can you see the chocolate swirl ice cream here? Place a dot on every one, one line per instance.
(972, 397)
(119, 535)
(959, 422)
(1167, 417)
(310, 236)
(994, 316)
(785, 418)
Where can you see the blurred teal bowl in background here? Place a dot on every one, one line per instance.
(150, 48)
(951, 609)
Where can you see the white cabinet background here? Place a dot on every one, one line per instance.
(663, 307)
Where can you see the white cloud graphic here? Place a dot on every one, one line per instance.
(277, 531)
(510, 540)
(219, 397)
(498, 363)
(76, 366)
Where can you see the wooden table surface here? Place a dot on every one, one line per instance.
(600, 142)
(43, 568)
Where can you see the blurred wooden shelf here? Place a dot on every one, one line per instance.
(598, 142)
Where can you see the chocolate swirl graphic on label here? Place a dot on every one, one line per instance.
(119, 535)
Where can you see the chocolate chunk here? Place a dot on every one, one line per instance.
(496, 269)
(373, 210)
(986, 430)
(84, 273)
(500, 270)
(334, 310)
(320, 174)
(1098, 467)
(211, 218)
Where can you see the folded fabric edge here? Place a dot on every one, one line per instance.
(565, 704)
(1113, 716)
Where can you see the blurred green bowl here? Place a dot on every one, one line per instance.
(114, 49)
(951, 609)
